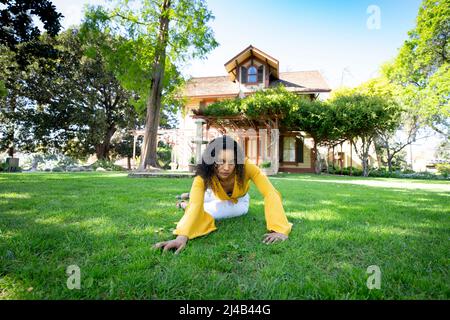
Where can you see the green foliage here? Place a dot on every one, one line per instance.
(106, 164)
(443, 168)
(364, 117)
(270, 102)
(4, 166)
(122, 146)
(266, 164)
(3, 91)
(19, 33)
(223, 108)
(72, 104)
(134, 27)
(333, 169)
(314, 117)
(164, 155)
(358, 114)
(17, 24)
(443, 150)
(422, 65)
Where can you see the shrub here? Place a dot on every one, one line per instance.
(105, 164)
(3, 167)
(164, 155)
(444, 169)
(266, 164)
(345, 171)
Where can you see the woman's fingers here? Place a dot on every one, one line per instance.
(170, 245)
(180, 248)
(272, 238)
(160, 244)
(267, 239)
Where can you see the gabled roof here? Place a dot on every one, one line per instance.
(248, 52)
(222, 86)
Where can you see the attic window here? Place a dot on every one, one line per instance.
(252, 74)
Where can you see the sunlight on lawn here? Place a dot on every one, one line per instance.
(13, 195)
(384, 184)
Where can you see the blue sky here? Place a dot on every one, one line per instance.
(330, 36)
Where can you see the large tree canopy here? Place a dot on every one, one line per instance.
(422, 66)
(161, 36)
(70, 104)
(17, 27)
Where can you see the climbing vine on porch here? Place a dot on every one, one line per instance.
(274, 102)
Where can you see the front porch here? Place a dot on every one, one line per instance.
(263, 141)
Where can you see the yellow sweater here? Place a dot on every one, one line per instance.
(196, 222)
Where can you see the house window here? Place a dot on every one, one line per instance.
(252, 74)
(243, 75)
(260, 73)
(292, 149)
(289, 149)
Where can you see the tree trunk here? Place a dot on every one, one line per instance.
(102, 149)
(317, 166)
(11, 129)
(365, 160)
(129, 162)
(351, 157)
(389, 159)
(365, 167)
(148, 150)
(363, 153)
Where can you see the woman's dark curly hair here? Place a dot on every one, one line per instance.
(207, 169)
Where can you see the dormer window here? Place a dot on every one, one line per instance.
(252, 74)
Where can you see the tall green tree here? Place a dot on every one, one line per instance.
(364, 117)
(72, 103)
(163, 34)
(19, 36)
(390, 144)
(81, 101)
(19, 33)
(315, 118)
(422, 66)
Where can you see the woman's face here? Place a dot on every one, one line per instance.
(225, 166)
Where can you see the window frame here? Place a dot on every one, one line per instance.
(299, 149)
(252, 75)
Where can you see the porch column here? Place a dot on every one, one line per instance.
(275, 146)
(134, 147)
(198, 140)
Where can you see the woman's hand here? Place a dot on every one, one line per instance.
(274, 237)
(179, 243)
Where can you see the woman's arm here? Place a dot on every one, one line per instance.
(195, 221)
(276, 219)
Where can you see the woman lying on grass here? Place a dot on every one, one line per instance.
(220, 190)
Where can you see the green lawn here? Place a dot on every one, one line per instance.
(106, 223)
